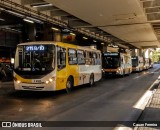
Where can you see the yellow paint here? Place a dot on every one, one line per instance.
(69, 70)
(22, 79)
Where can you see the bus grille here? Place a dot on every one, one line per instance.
(32, 87)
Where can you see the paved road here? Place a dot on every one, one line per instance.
(111, 99)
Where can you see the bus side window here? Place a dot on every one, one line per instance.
(81, 57)
(87, 58)
(98, 59)
(72, 56)
(90, 58)
(61, 58)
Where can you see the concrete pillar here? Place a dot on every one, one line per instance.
(133, 53)
(28, 32)
(140, 52)
(104, 47)
(57, 36)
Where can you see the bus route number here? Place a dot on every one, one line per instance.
(37, 81)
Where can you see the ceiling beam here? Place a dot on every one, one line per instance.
(150, 10)
(77, 24)
(48, 8)
(29, 2)
(153, 16)
(151, 4)
(59, 13)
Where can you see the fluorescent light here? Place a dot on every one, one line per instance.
(94, 41)
(27, 20)
(73, 34)
(33, 19)
(85, 38)
(15, 13)
(56, 29)
(115, 46)
(42, 5)
(2, 19)
(11, 29)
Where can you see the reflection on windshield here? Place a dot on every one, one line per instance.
(134, 62)
(111, 62)
(36, 58)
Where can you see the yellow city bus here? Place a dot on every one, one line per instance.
(51, 66)
(115, 63)
(137, 63)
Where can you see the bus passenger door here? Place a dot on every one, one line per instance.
(61, 76)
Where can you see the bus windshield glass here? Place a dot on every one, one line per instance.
(111, 62)
(134, 62)
(35, 59)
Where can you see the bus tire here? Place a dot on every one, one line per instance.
(91, 80)
(69, 84)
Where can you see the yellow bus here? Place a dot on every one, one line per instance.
(115, 63)
(137, 63)
(51, 66)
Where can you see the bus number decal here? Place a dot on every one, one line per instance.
(37, 81)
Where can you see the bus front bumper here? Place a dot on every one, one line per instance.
(35, 87)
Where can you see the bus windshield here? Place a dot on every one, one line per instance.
(35, 59)
(134, 62)
(110, 62)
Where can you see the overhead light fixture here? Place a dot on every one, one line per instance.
(33, 19)
(94, 41)
(11, 29)
(56, 29)
(2, 19)
(27, 20)
(41, 5)
(115, 46)
(85, 38)
(73, 34)
(15, 13)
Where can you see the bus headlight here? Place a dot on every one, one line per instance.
(118, 70)
(18, 81)
(47, 82)
(50, 80)
(103, 70)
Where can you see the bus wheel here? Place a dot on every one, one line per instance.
(69, 85)
(91, 80)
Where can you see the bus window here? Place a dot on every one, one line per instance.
(81, 57)
(98, 59)
(61, 58)
(72, 56)
(94, 59)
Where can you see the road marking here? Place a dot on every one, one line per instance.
(145, 73)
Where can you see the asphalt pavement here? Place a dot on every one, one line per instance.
(110, 101)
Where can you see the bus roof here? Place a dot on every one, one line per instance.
(58, 43)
